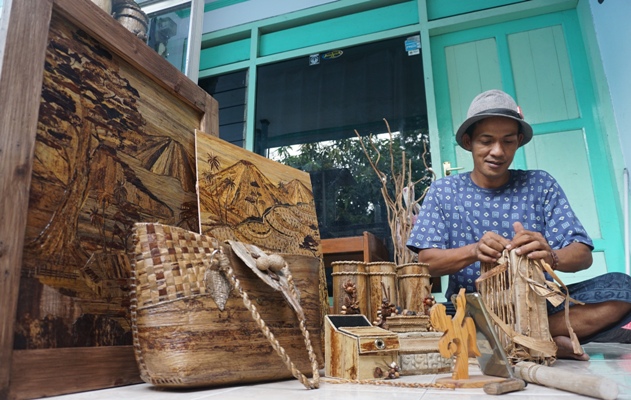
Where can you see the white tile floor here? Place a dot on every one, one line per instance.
(609, 360)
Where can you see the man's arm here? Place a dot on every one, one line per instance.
(572, 258)
(449, 261)
(446, 261)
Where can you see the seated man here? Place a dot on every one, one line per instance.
(472, 217)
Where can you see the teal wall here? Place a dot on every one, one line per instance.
(611, 22)
(437, 9)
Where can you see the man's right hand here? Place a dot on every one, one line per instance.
(449, 261)
(490, 247)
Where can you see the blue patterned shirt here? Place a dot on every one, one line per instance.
(456, 212)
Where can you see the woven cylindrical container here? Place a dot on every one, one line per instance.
(382, 277)
(350, 284)
(131, 16)
(413, 285)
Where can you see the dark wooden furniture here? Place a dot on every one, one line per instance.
(367, 248)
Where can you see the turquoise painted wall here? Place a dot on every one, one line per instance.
(611, 22)
(613, 31)
(228, 13)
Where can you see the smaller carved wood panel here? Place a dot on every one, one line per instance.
(249, 198)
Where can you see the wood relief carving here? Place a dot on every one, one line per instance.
(106, 156)
(252, 199)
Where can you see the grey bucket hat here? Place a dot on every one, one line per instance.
(494, 103)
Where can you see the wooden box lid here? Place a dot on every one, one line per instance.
(372, 339)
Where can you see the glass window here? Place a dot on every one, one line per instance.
(307, 111)
(168, 33)
(230, 91)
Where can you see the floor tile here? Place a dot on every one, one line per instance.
(609, 360)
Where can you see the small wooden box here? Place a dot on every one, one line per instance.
(354, 349)
(419, 354)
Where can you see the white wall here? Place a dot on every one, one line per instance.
(613, 33)
(253, 10)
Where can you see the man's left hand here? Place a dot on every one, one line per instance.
(530, 244)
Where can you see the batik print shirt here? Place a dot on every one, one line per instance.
(456, 212)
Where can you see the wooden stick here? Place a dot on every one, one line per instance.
(587, 385)
(507, 386)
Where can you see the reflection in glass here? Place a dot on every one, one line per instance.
(230, 92)
(168, 34)
(307, 111)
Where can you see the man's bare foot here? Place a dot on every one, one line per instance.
(565, 349)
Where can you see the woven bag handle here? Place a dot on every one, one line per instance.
(224, 266)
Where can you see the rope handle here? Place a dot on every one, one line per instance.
(224, 266)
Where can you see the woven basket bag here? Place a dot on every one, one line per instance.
(203, 314)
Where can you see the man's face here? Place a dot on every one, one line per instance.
(493, 144)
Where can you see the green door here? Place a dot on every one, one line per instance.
(541, 61)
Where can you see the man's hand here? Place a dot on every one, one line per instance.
(489, 248)
(530, 244)
(573, 257)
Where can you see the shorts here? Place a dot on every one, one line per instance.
(613, 286)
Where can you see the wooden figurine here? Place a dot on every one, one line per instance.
(458, 341)
(459, 336)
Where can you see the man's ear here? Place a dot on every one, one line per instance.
(520, 139)
(466, 141)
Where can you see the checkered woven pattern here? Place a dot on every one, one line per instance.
(168, 263)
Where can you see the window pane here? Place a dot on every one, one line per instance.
(306, 116)
(168, 34)
(230, 92)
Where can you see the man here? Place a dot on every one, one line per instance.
(472, 217)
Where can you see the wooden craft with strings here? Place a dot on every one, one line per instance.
(514, 291)
(382, 287)
(413, 286)
(350, 288)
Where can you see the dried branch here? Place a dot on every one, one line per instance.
(403, 208)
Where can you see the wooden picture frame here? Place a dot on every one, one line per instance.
(24, 29)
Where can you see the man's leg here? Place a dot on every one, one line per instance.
(586, 320)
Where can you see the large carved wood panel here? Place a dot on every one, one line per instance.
(114, 144)
(105, 157)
